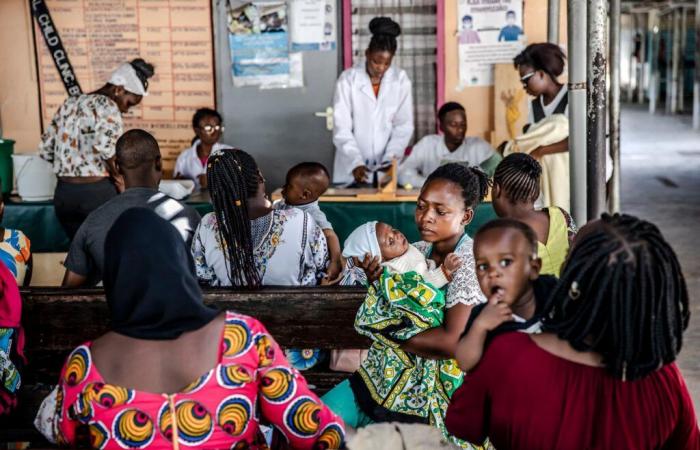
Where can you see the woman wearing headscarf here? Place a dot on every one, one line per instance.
(80, 143)
(173, 372)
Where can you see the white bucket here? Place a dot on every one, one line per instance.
(34, 178)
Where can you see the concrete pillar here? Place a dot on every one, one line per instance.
(577, 37)
(643, 29)
(681, 75)
(675, 60)
(653, 30)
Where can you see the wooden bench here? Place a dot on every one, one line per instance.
(58, 320)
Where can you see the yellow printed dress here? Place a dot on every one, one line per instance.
(561, 233)
(221, 409)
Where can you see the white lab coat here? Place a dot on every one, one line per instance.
(369, 130)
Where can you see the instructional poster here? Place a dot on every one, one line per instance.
(175, 36)
(259, 43)
(313, 25)
(489, 32)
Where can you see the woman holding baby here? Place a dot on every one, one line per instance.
(420, 357)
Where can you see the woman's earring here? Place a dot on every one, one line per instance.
(574, 292)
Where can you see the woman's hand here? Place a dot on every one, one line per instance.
(119, 183)
(359, 173)
(371, 267)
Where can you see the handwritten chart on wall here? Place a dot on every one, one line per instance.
(173, 35)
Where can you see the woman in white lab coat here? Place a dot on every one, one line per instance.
(373, 109)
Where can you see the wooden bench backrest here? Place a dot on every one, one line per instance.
(58, 320)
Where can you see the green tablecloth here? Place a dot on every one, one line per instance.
(38, 221)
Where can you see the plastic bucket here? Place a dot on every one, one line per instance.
(6, 149)
(35, 178)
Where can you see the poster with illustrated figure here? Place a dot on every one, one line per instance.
(489, 32)
(259, 41)
(313, 25)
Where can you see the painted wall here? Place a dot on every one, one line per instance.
(479, 100)
(19, 96)
(19, 103)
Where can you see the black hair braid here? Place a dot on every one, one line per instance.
(233, 177)
(472, 180)
(622, 294)
(519, 177)
(384, 33)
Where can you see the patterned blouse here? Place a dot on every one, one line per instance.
(290, 250)
(81, 136)
(221, 409)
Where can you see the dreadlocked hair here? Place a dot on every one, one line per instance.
(233, 177)
(519, 176)
(473, 181)
(621, 294)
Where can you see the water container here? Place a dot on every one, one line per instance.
(6, 148)
(35, 178)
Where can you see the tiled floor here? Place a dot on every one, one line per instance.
(661, 183)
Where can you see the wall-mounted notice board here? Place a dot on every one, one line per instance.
(173, 35)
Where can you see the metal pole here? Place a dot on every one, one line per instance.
(615, 25)
(696, 85)
(675, 60)
(642, 59)
(653, 31)
(596, 142)
(681, 75)
(666, 24)
(553, 21)
(577, 31)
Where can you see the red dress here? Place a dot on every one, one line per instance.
(523, 397)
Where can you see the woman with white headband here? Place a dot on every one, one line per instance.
(80, 143)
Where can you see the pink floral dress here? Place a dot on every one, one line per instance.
(252, 382)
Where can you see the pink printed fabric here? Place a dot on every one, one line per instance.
(222, 409)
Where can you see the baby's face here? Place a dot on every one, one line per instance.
(504, 264)
(392, 242)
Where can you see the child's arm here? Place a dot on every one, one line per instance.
(471, 346)
(442, 275)
(335, 267)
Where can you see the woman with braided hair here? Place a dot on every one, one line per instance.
(244, 242)
(516, 187)
(602, 374)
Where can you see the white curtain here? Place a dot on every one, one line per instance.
(417, 50)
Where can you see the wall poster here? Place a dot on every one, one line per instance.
(313, 25)
(173, 35)
(259, 44)
(489, 32)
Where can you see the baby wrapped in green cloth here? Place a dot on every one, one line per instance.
(391, 384)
